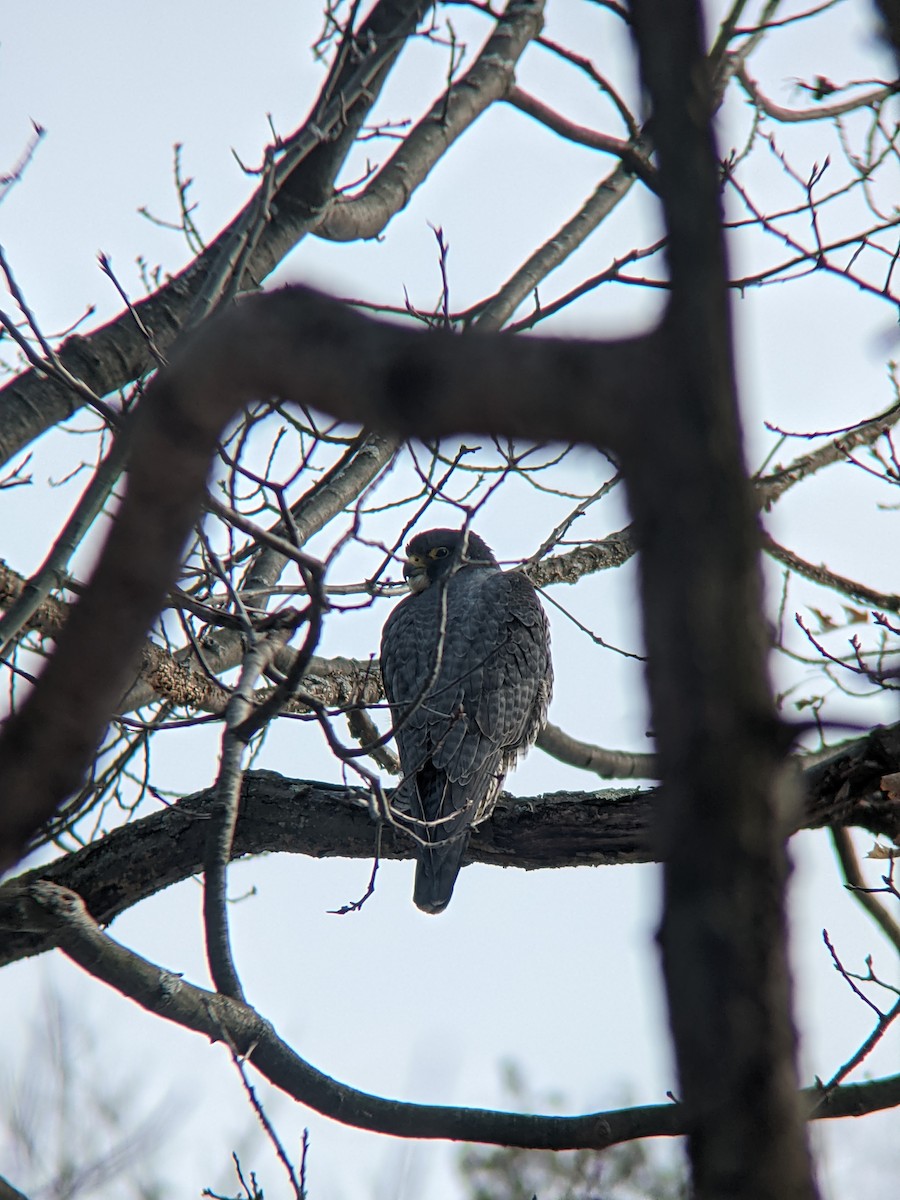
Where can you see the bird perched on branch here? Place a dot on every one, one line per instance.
(467, 673)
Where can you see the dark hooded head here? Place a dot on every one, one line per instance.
(438, 552)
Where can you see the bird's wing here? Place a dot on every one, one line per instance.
(518, 675)
(487, 661)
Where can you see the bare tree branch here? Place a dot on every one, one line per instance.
(772, 487)
(495, 312)
(53, 909)
(664, 404)
(830, 579)
(488, 80)
(821, 112)
(325, 820)
(608, 764)
(853, 877)
(632, 157)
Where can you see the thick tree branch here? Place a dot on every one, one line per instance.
(723, 935)
(296, 200)
(173, 677)
(340, 681)
(666, 404)
(49, 616)
(890, 11)
(608, 764)
(493, 313)
(280, 815)
(334, 682)
(772, 487)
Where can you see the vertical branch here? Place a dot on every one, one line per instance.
(224, 817)
(723, 933)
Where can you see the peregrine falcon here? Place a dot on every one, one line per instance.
(467, 673)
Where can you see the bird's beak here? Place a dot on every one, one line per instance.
(415, 574)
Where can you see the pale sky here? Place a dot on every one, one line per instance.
(556, 969)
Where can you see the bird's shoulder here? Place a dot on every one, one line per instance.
(480, 594)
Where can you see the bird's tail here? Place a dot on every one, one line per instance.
(436, 873)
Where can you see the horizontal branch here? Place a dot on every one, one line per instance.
(562, 829)
(332, 493)
(608, 764)
(337, 682)
(175, 676)
(61, 913)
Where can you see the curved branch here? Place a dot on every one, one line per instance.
(339, 682)
(608, 764)
(50, 908)
(770, 488)
(631, 156)
(822, 112)
(226, 798)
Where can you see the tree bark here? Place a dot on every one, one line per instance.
(721, 829)
(295, 816)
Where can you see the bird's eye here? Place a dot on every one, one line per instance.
(440, 552)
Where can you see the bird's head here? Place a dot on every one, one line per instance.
(438, 552)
